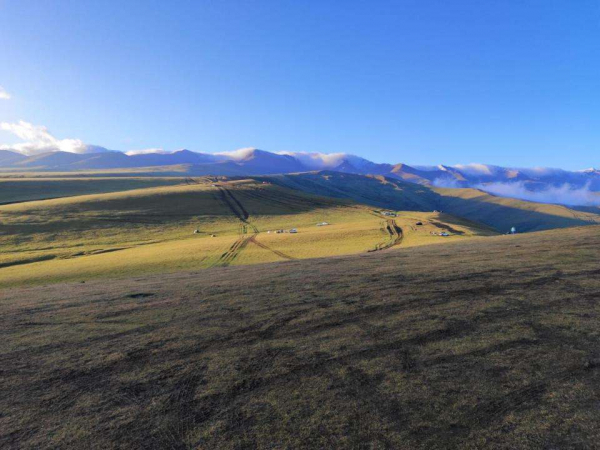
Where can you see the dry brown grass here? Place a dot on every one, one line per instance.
(487, 343)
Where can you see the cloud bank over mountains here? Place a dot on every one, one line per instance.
(566, 194)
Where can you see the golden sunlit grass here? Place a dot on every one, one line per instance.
(152, 230)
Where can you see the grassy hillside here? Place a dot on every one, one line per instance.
(13, 189)
(177, 170)
(498, 212)
(482, 343)
(153, 230)
(508, 212)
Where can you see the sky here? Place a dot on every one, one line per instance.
(512, 83)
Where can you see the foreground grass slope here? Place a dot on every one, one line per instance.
(489, 343)
(153, 230)
(498, 212)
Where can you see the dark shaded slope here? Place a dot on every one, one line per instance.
(20, 190)
(500, 213)
(8, 158)
(377, 191)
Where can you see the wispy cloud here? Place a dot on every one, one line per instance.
(565, 194)
(37, 139)
(147, 151)
(317, 161)
(239, 154)
(3, 94)
(474, 169)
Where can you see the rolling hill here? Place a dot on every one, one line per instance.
(15, 190)
(480, 343)
(498, 212)
(247, 162)
(8, 158)
(200, 224)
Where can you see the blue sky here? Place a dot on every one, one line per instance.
(422, 82)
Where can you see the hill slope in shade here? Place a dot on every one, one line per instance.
(498, 212)
(8, 158)
(481, 343)
(195, 226)
(13, 190)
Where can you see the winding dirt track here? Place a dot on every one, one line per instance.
(227, 197)
(277, 252)
(395, 236)
(234, 251)
(238, 209)
(394, 232)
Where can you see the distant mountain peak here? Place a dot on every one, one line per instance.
(345, 166)
(253, 161)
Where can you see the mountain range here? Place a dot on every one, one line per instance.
(537, 184)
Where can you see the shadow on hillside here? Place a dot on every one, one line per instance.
(504, 217)
(160, 209)
(403, 196)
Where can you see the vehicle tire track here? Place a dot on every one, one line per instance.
(277, 252)
(395, 236)
(243, 240)
(238, 209)
(233, 252)
(226, 199)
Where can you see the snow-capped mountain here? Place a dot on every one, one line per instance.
(527, 183)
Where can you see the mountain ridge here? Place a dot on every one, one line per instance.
(502, 181)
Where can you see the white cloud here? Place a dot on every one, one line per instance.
(474, 169)
(565, 194)
(37, 139)
(239, 154)
(147, 151)
(3, 94)
(317, 161)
